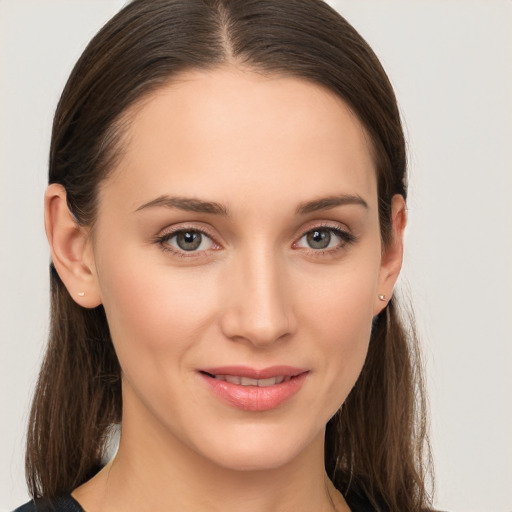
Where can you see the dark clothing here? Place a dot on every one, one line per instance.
(357, 504)
(63, 504)
(68, 504)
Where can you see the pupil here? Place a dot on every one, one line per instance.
(188, 240)
(319, 239)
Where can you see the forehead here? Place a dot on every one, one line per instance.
(209, 132)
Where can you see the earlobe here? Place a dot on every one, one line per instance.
(392, 256)
(70, 249)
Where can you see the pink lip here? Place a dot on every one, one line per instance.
(254, 398)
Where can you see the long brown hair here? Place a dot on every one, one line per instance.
(376, 445)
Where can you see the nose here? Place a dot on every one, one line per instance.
(257, 305)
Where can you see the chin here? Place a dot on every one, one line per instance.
(259, 449)
(249, 461)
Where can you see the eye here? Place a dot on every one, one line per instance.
(186, 240)
(324, 238)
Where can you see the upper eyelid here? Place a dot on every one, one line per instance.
(300, 232)
(346, 235)
(171, 231)
(332, 225)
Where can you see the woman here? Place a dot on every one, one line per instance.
(225, 212)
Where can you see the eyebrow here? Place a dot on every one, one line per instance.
(326, 203)
(199, 206)
(186, 204)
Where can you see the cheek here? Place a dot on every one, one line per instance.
(150, 308)
(342, 300)
(157, 318)
(339, 315)
(347, 333)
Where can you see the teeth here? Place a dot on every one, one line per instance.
(232, 378)
(246, 381)
(269, 382)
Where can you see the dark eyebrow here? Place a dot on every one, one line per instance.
(187, 204)
(325, 203)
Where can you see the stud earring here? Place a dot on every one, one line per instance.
(382, 297)
(81, 294)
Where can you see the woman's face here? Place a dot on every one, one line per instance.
(237, 254)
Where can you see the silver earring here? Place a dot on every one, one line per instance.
(81, 294)
(382, 297)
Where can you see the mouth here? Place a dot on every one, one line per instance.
(254, 390)
(247, 381)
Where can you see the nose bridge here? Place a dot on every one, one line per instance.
(258, 306)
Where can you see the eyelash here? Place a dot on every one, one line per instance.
(163, 240)
(345, 237)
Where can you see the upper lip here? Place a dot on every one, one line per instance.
(255, 373)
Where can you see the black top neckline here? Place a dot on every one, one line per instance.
(67, 503)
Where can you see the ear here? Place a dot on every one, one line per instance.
(70, 248)
(392, 256)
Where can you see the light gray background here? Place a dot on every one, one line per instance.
(450, 62)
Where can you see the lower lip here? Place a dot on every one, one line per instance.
(254, 398)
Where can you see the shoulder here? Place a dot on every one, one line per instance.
(62, 504)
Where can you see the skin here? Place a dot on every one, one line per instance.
(255, 293)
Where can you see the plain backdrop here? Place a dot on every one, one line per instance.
(451, 65)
